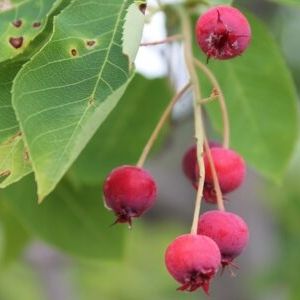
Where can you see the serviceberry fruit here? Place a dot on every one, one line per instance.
(223, 32)
(193, 260)
(189, 161)
(129, 191)
(230, 168)
(228, 230)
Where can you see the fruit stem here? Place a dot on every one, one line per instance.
(223, 106)
(214, 174)
(208, 100)
(199, 128)
(160, 124)
(168, 39)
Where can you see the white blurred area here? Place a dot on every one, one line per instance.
(150, 61)
(164, 60)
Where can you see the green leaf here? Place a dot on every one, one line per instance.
(287, 2)
(13, 164)
(24, 277)
(67, 90)
(12, 150)
(14, 161)
(74, 220)
(20, 22)
(131, 38)
(121, 138)
(262, 103)
(8, 122)
(15, 237)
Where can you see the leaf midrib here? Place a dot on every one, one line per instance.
(118, 20)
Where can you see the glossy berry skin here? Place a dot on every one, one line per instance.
(193, 260)
(228, 230)
(189, 161)
(230, 168)
(129, 191)
(223, 32)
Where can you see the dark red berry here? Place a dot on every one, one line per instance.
(193, 260)
(129, 191)
(189, 161)
(223, 32)
(228, 230)
(230, 168)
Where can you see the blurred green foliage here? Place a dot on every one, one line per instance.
(74, 220)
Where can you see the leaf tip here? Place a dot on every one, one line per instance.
(40, 199)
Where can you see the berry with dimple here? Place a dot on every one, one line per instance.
(129, 191)
(228, 230)
(230, 168)
(193, 260)
(223, 32)
(189, 161)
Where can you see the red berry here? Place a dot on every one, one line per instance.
(193, 260)
(230, 168)
(228, 230)
(129, 191)
(188, 163)
(223, 32)
(190, 160)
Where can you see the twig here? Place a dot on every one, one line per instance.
(214, 174)
(160, 124)
(199, 130)
(223, 106)
(169, 39)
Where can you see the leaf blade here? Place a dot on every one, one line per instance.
(121, 138)
(95, 72)
(74, 220)
(22, 22)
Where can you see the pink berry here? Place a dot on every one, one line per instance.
(193, 260)
(129, 191)
(230, 168)
(228, 230)
(223, 32)
(188, 163)
(190, 160)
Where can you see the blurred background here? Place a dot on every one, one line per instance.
(270, 265)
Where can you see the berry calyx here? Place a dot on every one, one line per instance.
(230, 168)
(228, 230)
(223, 32)
(129, 191)
(193, 260)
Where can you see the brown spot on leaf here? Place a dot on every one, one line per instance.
(36, 24)
(17, 23)
(5, 173)
(16, 42)
(73, 52)
(26, 155)
(90, 43)
(92, 101)
(143, 7)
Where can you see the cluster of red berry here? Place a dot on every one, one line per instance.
(193, 259)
